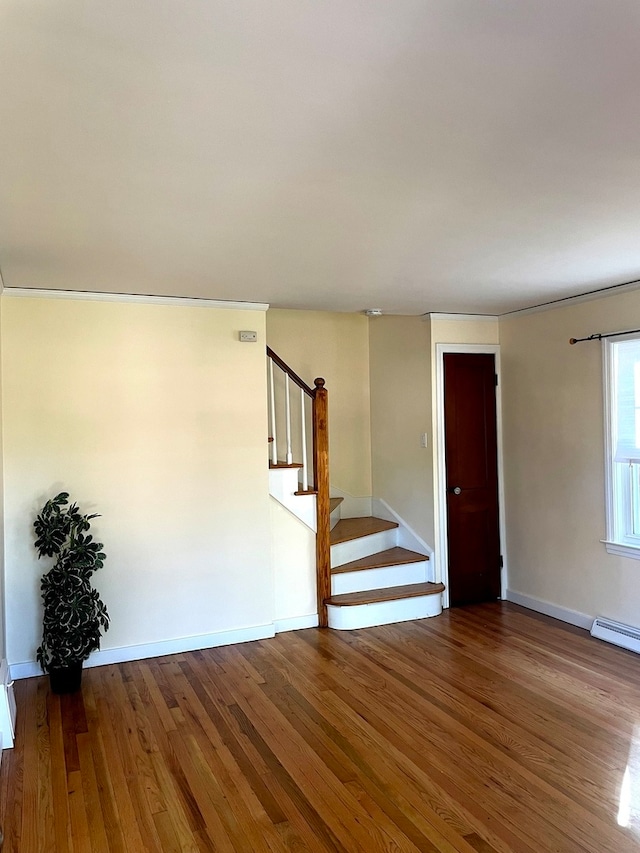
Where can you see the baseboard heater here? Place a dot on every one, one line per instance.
(615, 632)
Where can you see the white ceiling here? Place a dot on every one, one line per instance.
(412, 155)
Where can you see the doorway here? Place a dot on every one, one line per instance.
(469, 524)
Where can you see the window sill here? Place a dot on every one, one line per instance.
(631, 551)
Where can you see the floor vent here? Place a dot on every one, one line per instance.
(616, 633)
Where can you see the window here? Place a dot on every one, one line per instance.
(622, 445)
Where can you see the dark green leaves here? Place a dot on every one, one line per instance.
(74, 615)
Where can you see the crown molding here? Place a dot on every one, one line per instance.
(94, 296)
(489, 318)
(602, 293)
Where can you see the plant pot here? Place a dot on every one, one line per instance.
(66, 679)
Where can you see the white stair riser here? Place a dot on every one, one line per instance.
(379, 578)
(383, 612)
(334, 517)
(364, 546)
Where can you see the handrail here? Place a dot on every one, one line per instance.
(320, 452)
(290, 373)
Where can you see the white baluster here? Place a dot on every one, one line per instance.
(272, 399)
(305, 473)
(287, 405)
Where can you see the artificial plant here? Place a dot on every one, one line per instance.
(74, 614)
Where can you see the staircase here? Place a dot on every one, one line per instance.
(364, 576)
(373, 580)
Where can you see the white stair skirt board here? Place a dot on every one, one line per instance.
(353, 507)
(383, 612)
(363, 546)
(7, 708)
(381, 577)
(625, 636)
(283, 484)
(407, 537)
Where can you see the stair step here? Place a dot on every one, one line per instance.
(334, 503)
(285, 464)
(393, 593)
(353, 528)
(390, 557)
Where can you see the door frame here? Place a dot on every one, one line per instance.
(440, 469)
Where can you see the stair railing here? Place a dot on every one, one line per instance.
(318, 399)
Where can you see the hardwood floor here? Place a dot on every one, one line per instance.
(488, 729)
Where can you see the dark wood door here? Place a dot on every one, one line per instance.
(472, 477)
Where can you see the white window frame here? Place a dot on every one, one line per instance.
(620, 539)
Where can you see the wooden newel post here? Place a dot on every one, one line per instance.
(321, 477)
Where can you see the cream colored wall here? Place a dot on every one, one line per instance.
(400, 371)
(293, 556)
(2, 582)
(336, 347)
(464, 331)
(554, 460)
(154, 416)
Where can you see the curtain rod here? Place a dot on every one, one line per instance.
(598, 336)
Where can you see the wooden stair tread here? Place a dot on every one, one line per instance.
(285, 465)
(353, 528)
(392, 593)
(390, 557)
(334, 503)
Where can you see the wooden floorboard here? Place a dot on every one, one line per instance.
(489, 729)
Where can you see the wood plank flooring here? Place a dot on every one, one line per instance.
(488, 729)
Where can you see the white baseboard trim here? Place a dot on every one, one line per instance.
(7, 708)
(296, 623)
(29, 669)
(573, 617)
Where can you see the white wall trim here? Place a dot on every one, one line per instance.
(630, 551)
(475, 318)
(296, 623)
(352, 506)
(407, 536)
(609, 480)
(28, 669)
(603, 293)
(441, 562)
(7, 708)
(573, 617)
(94, 296)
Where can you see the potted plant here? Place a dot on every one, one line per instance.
(74, 614)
